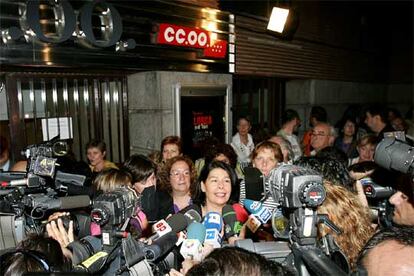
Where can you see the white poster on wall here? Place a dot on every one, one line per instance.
(52, 127)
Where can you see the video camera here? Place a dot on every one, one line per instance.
(299, 191)
(116, 251)
(28, 196)
(395, 154)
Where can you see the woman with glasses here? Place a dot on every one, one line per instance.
(178, 180)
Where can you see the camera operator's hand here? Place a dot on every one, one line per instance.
(359, 175)
(361, 194)
(60, 234)
(57, 215)
(241, 235)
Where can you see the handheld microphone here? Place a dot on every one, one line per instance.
(253, 223)
(61, 203)
(192, 216)
(232, 226)
(160, 247)
(10, 181)
(257, 209)
(241, 213)
(192, 247)
(213, 224)
(176, 223)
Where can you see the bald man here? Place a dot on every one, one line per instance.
(323, 135)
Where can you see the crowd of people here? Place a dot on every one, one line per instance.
(169, 182)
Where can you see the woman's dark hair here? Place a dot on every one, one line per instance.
(237, 261)
(340, 125)
(199, 196)
(319, 113)
(35, 254)
(224, 149)
(289, 115)
(139, 167)
(330, 168)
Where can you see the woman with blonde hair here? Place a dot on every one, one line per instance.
(109, 180)
(344, 209)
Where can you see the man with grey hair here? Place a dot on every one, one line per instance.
(323, 135)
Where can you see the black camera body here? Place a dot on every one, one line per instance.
(297, 187)
(31, 194)
(114, 208)
(299, 191)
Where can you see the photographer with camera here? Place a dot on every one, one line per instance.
(403, 200)
(396, 155)
(342, 206)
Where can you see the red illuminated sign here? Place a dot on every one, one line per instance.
(191, 37)
(202, 120)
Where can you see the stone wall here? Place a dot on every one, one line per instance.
(336, 96)
(151, 104)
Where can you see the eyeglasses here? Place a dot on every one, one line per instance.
(319, 134)
(177, 174)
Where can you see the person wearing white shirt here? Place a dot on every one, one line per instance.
(242, 142)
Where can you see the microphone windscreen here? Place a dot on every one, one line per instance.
(196, 231)
(177, 222)
(241, 213)
(73, 202)
(192, 215)
(229, 215)
(252, 206)
(253, 180)
(213, 220)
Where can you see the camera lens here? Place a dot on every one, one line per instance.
(84, 248)
(100, 215)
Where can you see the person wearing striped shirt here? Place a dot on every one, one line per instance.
(266, 156)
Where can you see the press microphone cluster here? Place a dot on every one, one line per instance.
(192, 247)
(213, 224)
(232, 225)
(175, 224)
(259, 214)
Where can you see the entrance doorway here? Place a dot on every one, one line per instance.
(203, 118)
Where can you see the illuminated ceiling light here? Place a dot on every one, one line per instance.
(278, 19)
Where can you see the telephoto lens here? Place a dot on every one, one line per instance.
(81, 224)
(84, 248)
